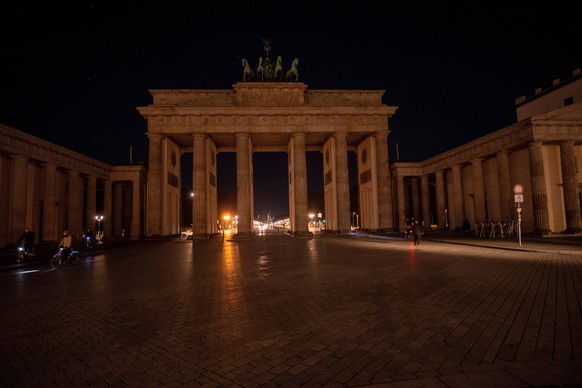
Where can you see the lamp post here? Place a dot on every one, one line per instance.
(99, 234)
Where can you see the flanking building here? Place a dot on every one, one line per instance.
(481, 181)
(50, 189)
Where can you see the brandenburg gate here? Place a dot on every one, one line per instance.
(267, 117)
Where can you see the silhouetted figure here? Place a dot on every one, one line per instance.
(418, 231)
(466, 227)
(28, 238)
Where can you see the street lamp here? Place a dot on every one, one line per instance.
(99, 234)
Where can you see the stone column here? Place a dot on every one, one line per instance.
(441, 199)
(243, 186)
(91, 205)
(199, 189)
(75, 205)
(414, 183)
(478, 190)
(5, 204)
(117, 217)
(155, 179)
(425, 199)
(539, 194)
(385, 221)
(343, 183)
(136, 210)
(571, 202)
(50, 231)
(300, 186)
(17, 208)
(505, 196)
(457, 205)
(401, 203)
(107, 209)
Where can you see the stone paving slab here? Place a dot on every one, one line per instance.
(346, 311)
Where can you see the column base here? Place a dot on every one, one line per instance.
(243, 236)
(301, 234)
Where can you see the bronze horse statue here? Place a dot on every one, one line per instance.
(292, 74)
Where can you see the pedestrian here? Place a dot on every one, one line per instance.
(418, 231)
(466, 227)
(28, 237)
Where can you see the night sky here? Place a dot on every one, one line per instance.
(74, 74)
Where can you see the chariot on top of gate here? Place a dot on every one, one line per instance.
(268, 70)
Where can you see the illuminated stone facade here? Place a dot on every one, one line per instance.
(542, 152)
(50, 188)
(267, 117)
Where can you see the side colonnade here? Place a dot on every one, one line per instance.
(49, 189)
(475, 181)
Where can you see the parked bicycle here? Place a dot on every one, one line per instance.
(60, 258)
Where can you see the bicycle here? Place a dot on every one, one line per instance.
(58, 259)
(24, 253)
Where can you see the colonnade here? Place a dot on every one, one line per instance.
(481, 189)
(51, 189)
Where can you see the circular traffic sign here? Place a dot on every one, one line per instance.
(518, 189)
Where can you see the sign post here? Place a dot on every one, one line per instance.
(518, 195)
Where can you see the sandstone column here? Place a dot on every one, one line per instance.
(243, 186)
(400, 192)
(17, 209)
(136, 210)
(117, 217)
(199, 202)
(75, 204)
(107, 209)
(414, 187)
(300, 186)
(50, 231)
(385, 221)
(441, 199)
(425, 199)
(478, 190)
(91, 204)
(571, 202)
(343, 183)
(539, 194)
(154, 196)
(505, 197)
(457, 206)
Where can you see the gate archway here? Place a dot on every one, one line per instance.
(259, 117)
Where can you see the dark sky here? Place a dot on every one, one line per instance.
(75, 74)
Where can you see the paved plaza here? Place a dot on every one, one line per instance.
(327, 311)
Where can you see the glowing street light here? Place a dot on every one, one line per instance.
(99, 234)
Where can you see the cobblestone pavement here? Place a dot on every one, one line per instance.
(345, 311)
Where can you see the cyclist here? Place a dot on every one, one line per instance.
(66, 243)
(28, 238)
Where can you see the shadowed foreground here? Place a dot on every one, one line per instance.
(333, 311)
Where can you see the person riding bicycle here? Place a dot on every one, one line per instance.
(88, 234)
(28, 238)
(66, 243)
